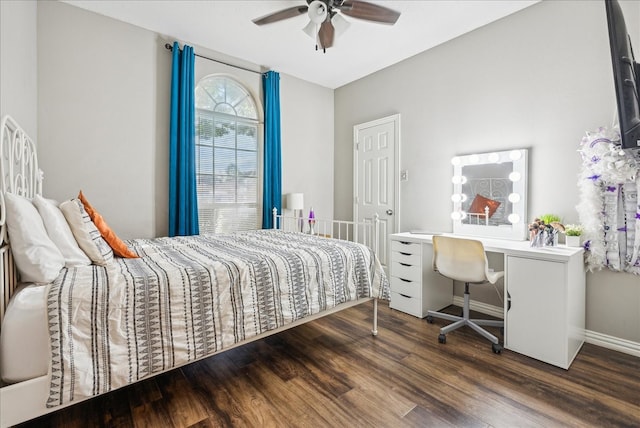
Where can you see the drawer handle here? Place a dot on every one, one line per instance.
(405, 254)
(405, 242)
(405, 296)
(404, 264)
(405, 280)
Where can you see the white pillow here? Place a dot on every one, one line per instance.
(86, 233)
(37, 257)
(60, 233)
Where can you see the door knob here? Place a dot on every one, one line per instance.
(389, 212)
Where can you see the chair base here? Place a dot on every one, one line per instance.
(465, 320)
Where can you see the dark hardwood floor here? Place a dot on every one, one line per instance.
(332, 372)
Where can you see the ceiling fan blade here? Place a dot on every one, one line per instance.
(283, 14)
(369, 11)
(326, 33)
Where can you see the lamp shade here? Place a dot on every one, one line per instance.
(295, 201)
(311, 29)
(317, 12)
(340, 24)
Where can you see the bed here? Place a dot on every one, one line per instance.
(96, 327)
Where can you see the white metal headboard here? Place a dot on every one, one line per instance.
(19, 174)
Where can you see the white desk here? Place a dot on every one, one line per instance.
(544, 308)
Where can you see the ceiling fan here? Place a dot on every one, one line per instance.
(325, 20)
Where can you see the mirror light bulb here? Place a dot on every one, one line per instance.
(514, 198)
(456, 216)
(458, 197)
(514, 176)
(458, 179)
(455, 161)
(474, 159)
(494, 158)
(514, 218)
(515, 155)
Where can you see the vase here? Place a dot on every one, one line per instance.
(572, 241)
(550, 238)
(537, 239)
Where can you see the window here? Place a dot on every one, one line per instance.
(227, 154)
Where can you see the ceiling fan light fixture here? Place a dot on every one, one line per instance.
(340, 24)
(311, 29)
(317, 12)
(326, 20)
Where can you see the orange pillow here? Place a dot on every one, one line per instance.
(479, 202)
(119, 247)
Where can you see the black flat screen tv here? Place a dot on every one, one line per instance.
(626, 74)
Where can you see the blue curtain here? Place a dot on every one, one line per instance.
(272, 181)
(183, 202)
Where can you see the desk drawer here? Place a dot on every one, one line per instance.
(406, 258)
(407, 304)
(406, 271)
(406, 287)
(406, 247)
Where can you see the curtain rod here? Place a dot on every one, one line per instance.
(170, 48)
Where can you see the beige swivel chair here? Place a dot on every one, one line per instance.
(464, 260)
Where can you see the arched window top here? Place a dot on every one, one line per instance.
(222, 94)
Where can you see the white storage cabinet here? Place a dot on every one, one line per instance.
(415, 287)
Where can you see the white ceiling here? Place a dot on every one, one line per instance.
(226, 26)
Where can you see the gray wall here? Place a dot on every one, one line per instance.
(102, 113)
(18, 64)
(103, 102)
(537, 79)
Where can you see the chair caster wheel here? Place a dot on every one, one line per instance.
(442, 338)
(429, 319)
(497, 348)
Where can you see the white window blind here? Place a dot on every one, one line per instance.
(227, 153)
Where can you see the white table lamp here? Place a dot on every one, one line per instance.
(295, 202)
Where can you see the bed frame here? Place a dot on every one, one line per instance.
(20, 174)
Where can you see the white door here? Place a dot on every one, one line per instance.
(375, 166)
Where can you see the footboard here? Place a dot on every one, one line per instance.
(364, 232)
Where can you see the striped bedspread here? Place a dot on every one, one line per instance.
(188, 297)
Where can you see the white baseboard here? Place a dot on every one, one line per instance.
(592, 337)
(614, 343)
(494, 311)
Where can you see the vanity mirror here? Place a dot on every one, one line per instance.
(490, 194)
